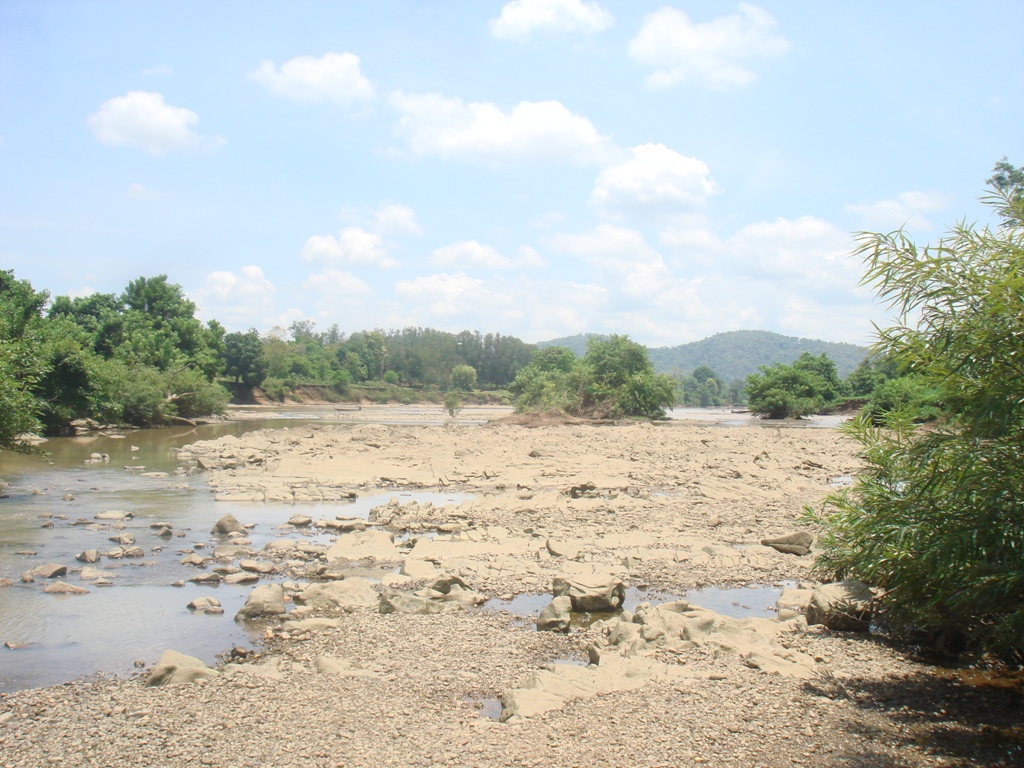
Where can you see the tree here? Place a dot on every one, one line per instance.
(463, 377)
(244, 358)
(936, 517)
(21, 365)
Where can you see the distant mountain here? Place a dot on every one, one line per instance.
(734, 354)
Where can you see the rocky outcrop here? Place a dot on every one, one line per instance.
(264, 601)
(845, 606)
(348, 595)
(594, 593)
(556, 616)
(176, 668)
(791, 544)
(359, 545)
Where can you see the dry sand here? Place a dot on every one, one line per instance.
(667, 507)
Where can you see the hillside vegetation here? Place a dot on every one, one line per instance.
(734, 354)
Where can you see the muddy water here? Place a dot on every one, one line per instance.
(59, 637)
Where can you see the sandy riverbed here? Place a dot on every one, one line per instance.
(664, 507)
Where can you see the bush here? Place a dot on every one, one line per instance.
(936, 517)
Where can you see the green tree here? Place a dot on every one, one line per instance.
(21, 364)
(463, 377)
(935, 518)
(244, 358)
(783, 391)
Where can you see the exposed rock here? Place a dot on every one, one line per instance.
(193, 558)
(556, 616)
(791, 544)
(176, 668)
(378, 545)
(566, 549)
(300, 521)
(593, 593)
(88, 556)
(280, 545)
(124, 539)
(206, 605)
(257, 566)
(5, 582)
(347, 595)
(50, 571)
(264, 600)
(63, 588)
(93, 574)
(206, 578)
(134, 552)
(231, 551)
(114, 515)
(227, 524)
(245, 577)
(841, 605)
(418, 569)
(393, 601)
(795, 600)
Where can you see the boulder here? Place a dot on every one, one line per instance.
(566, 549)
(88, 556)
(842, 605)
(176, 668)
(791, 544)
(50, 571)
(63, 588)
(418, 569)
(555, 617)
(93, 574)
(206, 578)
(193, 558)
(264, 600)
(124, 539)
(206, 605)
(227, 524)
(400, 602)
(114, 515)
(245, 577)
(300, 521)
(255, 566)
(348, 595)
(594, 593)
(377, 545)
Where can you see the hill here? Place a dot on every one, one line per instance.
(734, 354)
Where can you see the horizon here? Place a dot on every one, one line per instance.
(550, 167)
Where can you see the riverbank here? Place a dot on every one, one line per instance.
(667, 509)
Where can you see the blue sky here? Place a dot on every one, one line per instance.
(537, 167)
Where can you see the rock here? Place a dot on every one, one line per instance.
(378, 545)
(842, 605)
(595, 593)
(63, 588)
(400, 602)
(93, 574)
(227, 524)
(135, 552)
(555, 617)
(5, 582)
(206, 578)
(176, 668)
(88, 556)
(300, 521)
(206, 605)
(114, 515)
(124, 539)
(418, 569)
(447, 583)
(568, 550)
(280, 545)
(791, 544)
(231, 551)
(193, 558)
(50, 571)
(794, 600)
(245, 577)
(264, 600)
(348, 595)
(464, 596)
(255, 566)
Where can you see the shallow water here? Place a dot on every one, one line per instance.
(68, 636)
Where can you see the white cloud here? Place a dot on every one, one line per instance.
(715, 54)
(520, 18)
(139, 192)
(160, 69)
(337, 284)
(334, 77)
(470, 253)
(907, 210)
(398, 219)
(353, 246)
(142, 119)
(239, 301)
(808, 248)
(655, 178)
(449, 295)
(433, 124)
(81, 293)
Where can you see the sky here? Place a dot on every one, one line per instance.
(538, 168)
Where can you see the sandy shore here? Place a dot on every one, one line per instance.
(663, 507)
